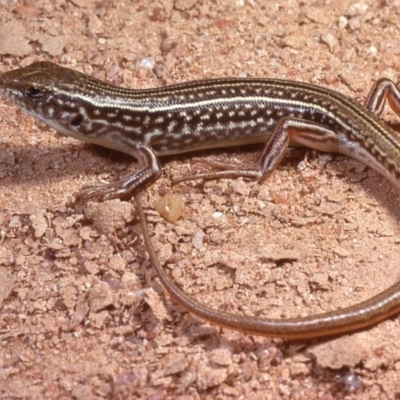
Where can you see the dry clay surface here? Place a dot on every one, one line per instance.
(82, 314)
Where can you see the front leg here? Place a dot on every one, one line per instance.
(287, 131)
(150, 171)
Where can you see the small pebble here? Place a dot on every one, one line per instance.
(170, 207)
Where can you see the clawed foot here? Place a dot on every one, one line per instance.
(102, 193)
(225, 171)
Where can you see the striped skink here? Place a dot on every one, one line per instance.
(210, 114)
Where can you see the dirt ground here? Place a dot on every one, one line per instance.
(82, 314)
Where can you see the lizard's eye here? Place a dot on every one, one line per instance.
(33, 93)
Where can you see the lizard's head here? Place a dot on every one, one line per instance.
(52, 94)
(37, 89)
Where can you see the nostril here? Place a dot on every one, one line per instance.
(77, 120)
